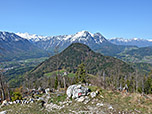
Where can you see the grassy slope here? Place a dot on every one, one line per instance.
(60, 72)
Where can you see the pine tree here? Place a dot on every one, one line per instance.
(2, 86)
(56, 82)
(148, 85)
(81, 73)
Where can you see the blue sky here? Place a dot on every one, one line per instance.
(112, 18)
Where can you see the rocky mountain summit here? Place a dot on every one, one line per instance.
(79, 98)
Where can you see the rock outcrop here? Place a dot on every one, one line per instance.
(76, 91)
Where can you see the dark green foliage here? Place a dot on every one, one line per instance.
(56, 82)
(81, 73)
(77, 53)
(148, 85)
(143, 68)
(138, 55)
(16, 96)
(141, 52)
(145, 85)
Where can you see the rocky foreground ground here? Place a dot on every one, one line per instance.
(97, 101)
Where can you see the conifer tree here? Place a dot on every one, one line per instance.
(56, 82)
(81, 73)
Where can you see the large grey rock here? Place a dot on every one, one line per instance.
(70, 90)
(3, 112)
(76, 91)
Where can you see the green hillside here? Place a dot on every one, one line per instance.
(77, 53)
(138, 55)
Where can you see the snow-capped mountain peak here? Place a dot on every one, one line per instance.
(49, 42)
(79, 36)
(31, 37)
(82, 34)
(134, 41)
(150, 40)
(119, 39)
(8, 36)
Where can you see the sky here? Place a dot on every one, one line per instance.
(112, 18)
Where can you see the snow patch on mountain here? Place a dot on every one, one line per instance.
(32, 37)
(134, 41)
(8, 36)
(79, 36)
(150, 40)
(127, 40)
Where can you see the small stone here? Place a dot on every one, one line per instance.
(86, 97)
(97, 92)
(101, 96)
(40, 98)
(93, 94)
(58, 95)
(60, 103)
(70, 102)
(14, 102)
(10, 102)
(17, 101)
(47, 90)
(81, 99)
(110, 107)
(86, 101)
(99, 104)
(4, 102)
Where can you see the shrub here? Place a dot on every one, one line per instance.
(16, 96)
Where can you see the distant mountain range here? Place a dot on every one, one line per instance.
(96, 41)
(85, 35)
(14, 47)
(24, 45)
(135, 41)
(63, 41)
